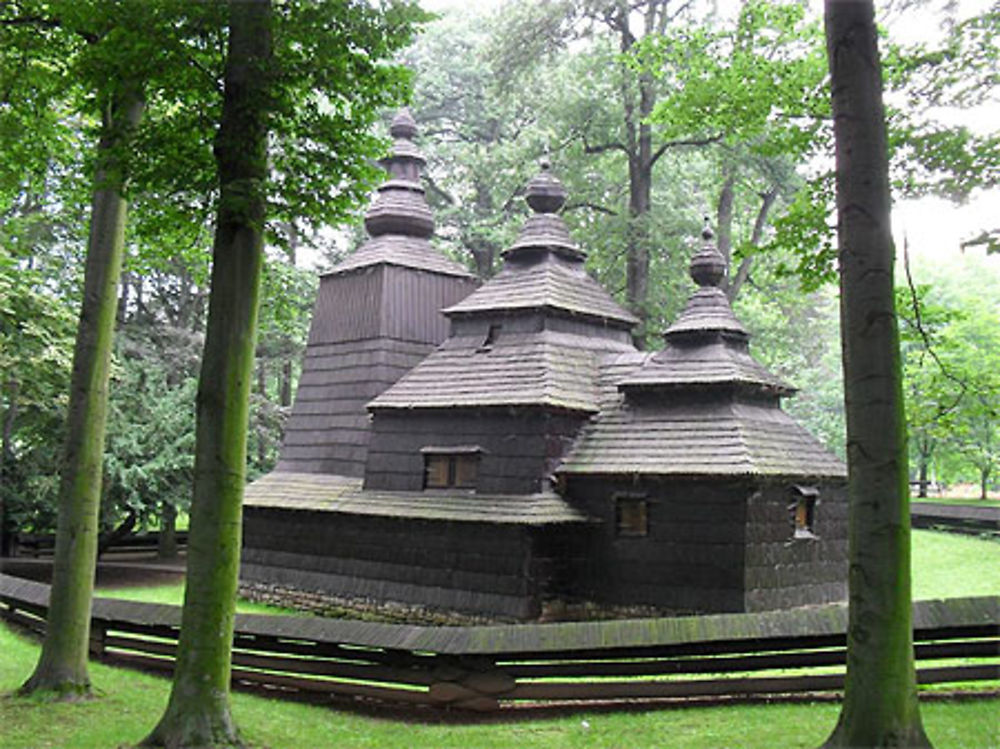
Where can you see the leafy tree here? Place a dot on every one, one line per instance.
(286, 79)
(35, 356)
(880, 705)
(975, 424)
(933, 391)
(198, 711)
(118, 98)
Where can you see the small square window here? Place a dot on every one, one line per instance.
(803, 510)
(450, 470)
(631, 516)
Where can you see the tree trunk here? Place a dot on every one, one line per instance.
(724, 218)
(166, 541)
(286, 383)
(262, 391)
(922, 477)
(984, 479)
(198, 712)
(62, 666)
(12, 387)
(880, 707)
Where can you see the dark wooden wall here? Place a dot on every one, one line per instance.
(328, 431)
(521, 446)
(370, 326)
(690, 561)
(465, 567)
(714, 546)
(782, 571)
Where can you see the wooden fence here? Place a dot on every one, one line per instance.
(971, 520)
(488, 667)
(42, 545)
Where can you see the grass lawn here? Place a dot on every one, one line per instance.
(131, 702)
(949, 565)
(173, 593)
(970, 501)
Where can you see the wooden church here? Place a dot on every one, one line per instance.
(503, 448)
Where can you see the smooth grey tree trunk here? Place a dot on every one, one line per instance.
(198, 712)
(880, 707)
(62, 665)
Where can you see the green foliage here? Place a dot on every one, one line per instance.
(149, 452)
(950, 335)
(36, 345)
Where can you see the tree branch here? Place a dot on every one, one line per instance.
(918, 323)
(48, 23)
(591, 206)
(664, 147)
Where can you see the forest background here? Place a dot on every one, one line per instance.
(654, 114)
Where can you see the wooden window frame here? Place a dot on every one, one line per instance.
(803, 511)
(451, 467)
(631, 515)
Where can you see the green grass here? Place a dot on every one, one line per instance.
(948, 565)
(970, 501)
(173, 593)
(131, 702)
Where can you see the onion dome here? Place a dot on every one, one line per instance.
(400, 206)
(708, 310)
(545, 230)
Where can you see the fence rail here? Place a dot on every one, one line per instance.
(488, 667)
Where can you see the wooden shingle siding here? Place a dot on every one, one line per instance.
(328, 430)
(402, 251)
(474, 568)
(784, 572)
(546, 281)
(520, 447)
(690, 560)
(544, 369)
(727, 437)
(412, 302)
(347, 306)
(707, 364)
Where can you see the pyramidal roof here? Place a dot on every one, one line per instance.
(702, 406)
(707, 346)
(492, 362)
(399, 221)
(544, 269)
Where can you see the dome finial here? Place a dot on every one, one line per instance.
(403, 125)
(545, 193)
(708, 267)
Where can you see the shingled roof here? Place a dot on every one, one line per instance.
(546, 281)
(327, 493)
(543, 275)
(722, 439)
(543, 269)
(701, 407)
(544, 368)
(399, 221)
